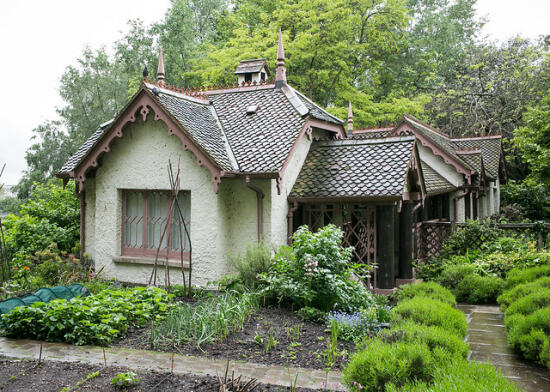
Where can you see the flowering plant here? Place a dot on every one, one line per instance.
(356, 325)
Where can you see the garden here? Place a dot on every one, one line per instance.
(301, 306)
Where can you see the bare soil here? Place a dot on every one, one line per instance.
(24, 376)
(299, 343)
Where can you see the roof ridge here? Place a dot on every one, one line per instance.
(359, 142)
(458, 139)
(203, 92)
(315, 104)
(427, 126)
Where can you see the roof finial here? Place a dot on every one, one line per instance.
(160, 69)
(350, 120)
(280, 72)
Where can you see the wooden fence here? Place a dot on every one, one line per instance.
(430, 235)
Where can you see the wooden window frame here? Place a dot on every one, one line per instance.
(144, 251)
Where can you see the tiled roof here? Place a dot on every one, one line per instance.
(434, 181)
(490, 149)
(79, 155)
(355, 168)
(199, 121)
(317, 112)
(374, 133)
(260, 141)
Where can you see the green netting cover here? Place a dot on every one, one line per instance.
(45, 294)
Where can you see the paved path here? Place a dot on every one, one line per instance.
(487, 339)
(159, 361)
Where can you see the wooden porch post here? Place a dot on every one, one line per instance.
(385, 217)
(406, 241)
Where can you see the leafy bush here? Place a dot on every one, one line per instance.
(522, 290)
(256, 260)
(475, 232)
(315, 273)
(428, 311)
(520, 275)
(533, 199)
(530, 335)
(97, 319)
(379, 364)
(355, 326)
(452, 275)
(51, 215)
(461, 376)
(426, 289)
(210, 319)
(475, 289)
(433, 336)
(307, 313)
(530, 303)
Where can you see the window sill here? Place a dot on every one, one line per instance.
(149, 261)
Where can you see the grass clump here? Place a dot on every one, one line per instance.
(426, 311)
(426, 289)
(209, 320)
(522, 290)
(530, 303)
(256, 260)
(519, 276)
(530, 335)
(433, 336)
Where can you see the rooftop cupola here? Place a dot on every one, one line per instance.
(252, 71)
(280, 71)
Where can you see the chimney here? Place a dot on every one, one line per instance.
(160, 69)
(350, 121)
(252, 71)
(280, 72)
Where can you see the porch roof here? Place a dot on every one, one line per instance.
(355, 168)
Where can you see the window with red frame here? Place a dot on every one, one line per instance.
(145, 214)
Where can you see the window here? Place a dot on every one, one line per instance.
(145, 215)
(248, 77)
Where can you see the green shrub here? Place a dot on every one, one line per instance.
(533, 199)
(432, 336)
(530, 335)
(427, 311)
(461, 376)
(530, 303)
(475, 232)
(307, 313)
(522, 290)
(522, 275)
(256, 260)
(355, 326)
(452, 275)
(379, 364)
(475, 289)
(97, 319)
(426, 289)
(315, 272)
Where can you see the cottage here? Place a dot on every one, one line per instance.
(258, 159)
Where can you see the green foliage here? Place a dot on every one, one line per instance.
(315, 273)
(380, 363)
(531, 198)
(308, 313)
(530, 335)
(475, 232)
(433, 336)
(530, 303)
(9, 205)
(125, 380)
(256, 260)
(209, 320)
(51, 215)
(461, 376)
(355, 326)
(532, 141)
(521, 290)
(426, 289)
(428, 312)
(519, 275)
(97, 319)
(453, 274)
(475, 289)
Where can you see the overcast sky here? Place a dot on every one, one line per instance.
(38, 39)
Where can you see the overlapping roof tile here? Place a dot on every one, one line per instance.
(355, 168)
(434, 181)
(490, 149)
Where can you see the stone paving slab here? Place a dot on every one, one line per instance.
(160, 361)
(487, 339)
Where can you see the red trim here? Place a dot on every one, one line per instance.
(142, 105)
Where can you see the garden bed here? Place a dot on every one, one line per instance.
(299, 343)
(23, 376)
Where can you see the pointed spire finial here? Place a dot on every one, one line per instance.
(350, 120)
(160, 69)
(280, 71)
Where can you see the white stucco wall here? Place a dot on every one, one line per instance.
(139, 161)
(436, 162)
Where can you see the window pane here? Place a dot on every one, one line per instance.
(156, 219)
(179, 236)
(133, 220)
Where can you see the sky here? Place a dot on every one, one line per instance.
(38, 39)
